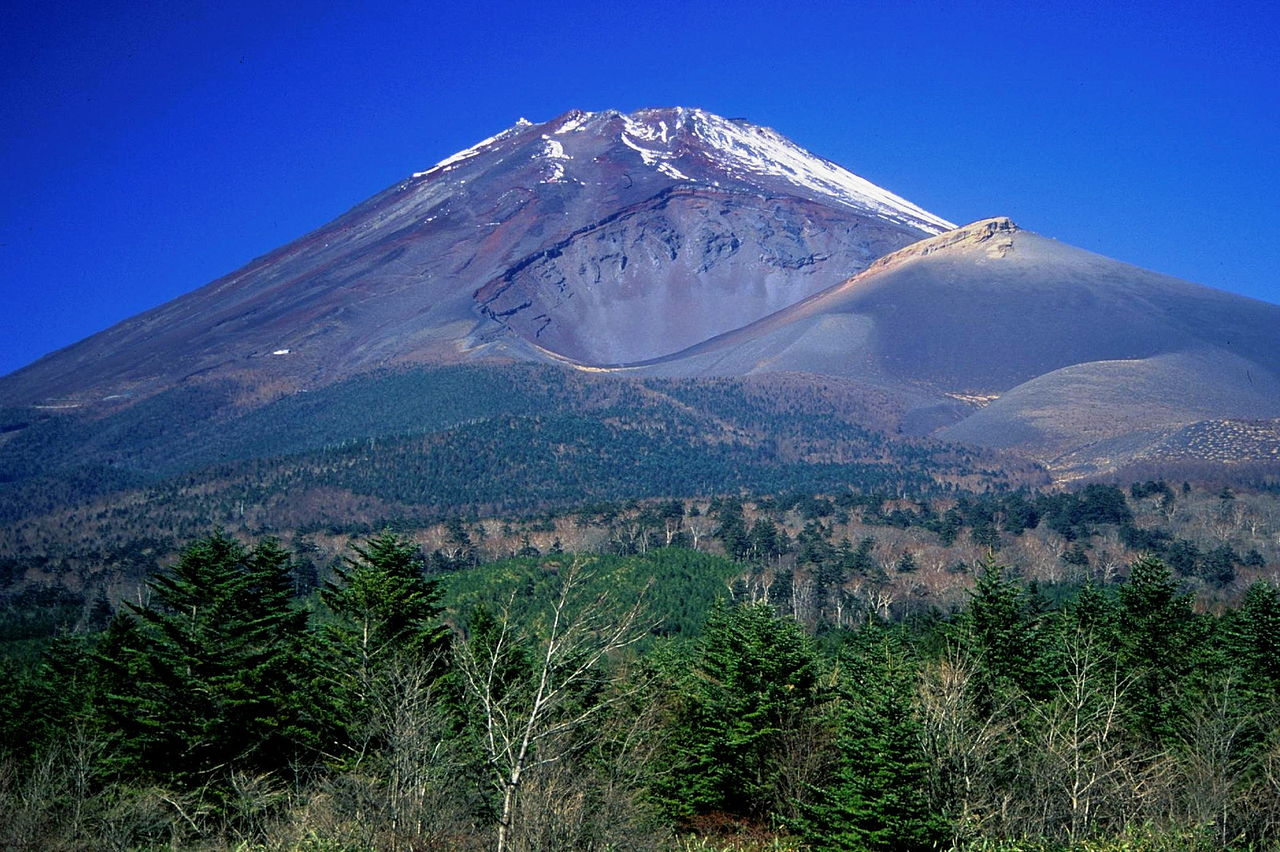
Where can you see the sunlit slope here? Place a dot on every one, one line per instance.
(1063, 347)
(984, 308)
(1087, 403)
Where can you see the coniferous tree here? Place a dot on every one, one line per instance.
(751, 679)
(1093, 611)
(877, 797)
(1007, 632)
(206, 680)
(276, 699)
(1255, 641)
(862, 564)
(1159, 644)
(61, 693)
(18, 709)
(386, 613)
(732, 530)
(121, 666)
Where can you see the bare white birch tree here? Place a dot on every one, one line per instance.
(533, 690)
(1081, 739)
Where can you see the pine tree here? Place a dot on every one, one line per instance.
(274, 698)
(1255, 641)
(206, 679)
(121, 670)
(19, 709)
(1007, 632)
(61, 693)
(752, 678)
(732, 530)
(386, 613)
(1160, 645)
(877, 797)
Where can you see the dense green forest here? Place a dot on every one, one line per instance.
(423, 445)
(649, 700)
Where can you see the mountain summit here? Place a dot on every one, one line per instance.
(693, 146)
(594, 238)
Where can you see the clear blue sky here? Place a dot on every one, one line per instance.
(150, 147)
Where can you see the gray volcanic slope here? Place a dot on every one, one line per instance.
(1061, 347)
(594, 237)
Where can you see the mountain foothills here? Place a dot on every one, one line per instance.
(648, 483)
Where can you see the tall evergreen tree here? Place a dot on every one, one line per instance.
(1160, 645)
(752, 678)
(386, 613)
(877, 797)
(732, 530)
(206, 681)
(1007, 631)
(1255, 641)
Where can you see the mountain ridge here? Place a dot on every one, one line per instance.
(393, 279)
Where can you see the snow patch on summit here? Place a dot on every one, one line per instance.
(553, 152)
(644, 130)
(672, 172)
(647, 154)
(747, 152)
(574, 123)
(467, 153)
(679, 142)
(761, 151)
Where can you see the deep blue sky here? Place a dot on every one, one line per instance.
(150, 147)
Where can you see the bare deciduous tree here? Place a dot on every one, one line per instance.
(965, 745)
(1212, 761)
(530, 717)
(1080, 740)
(420, 763)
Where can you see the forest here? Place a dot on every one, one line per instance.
(822, 557)
(426, 445)
(665, 698)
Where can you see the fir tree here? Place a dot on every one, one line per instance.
(877, 797)
(1255, 641)
(207, 679)
(1159, 643)
(1005, 627)
(386, 613)
(753, 676)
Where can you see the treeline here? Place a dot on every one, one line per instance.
(822, 557)
(637, 703)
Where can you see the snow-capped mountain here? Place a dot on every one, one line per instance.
(695, 146)
(596, 238)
